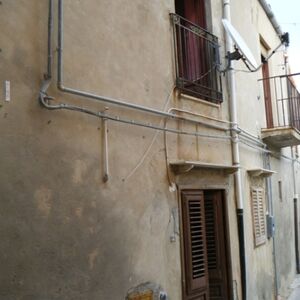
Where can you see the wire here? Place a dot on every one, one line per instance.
(151, 143)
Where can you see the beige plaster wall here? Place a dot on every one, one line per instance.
(66, 234)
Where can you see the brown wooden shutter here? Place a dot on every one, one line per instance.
(216, 247)
(211, 234)
(259, 216)
(196, 272)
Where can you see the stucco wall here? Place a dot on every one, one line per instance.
(67, 235)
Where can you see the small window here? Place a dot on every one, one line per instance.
(258, 215)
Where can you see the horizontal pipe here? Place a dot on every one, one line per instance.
(43, 100)
(198, 115)
(137, 107)
(256, 140)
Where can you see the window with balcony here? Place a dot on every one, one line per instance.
(282, 103)
(196, 52)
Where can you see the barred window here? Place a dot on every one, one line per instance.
(196, 52)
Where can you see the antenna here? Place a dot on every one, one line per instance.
(241, 49)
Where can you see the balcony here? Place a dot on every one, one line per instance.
(197, 60)
(282, 102)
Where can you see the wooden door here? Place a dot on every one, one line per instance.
(267, 94)
(204, 247)
(216, 246)
(194, 246)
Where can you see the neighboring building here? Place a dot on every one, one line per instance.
(153, 181)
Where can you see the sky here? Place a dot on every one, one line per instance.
(287, 13)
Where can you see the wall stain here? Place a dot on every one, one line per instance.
(92, 257)
(78, 212)
(80, 169)
(43, 198)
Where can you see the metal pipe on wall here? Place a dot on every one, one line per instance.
(105, 148)
(50, 33)
(271, 208)
(236, 155)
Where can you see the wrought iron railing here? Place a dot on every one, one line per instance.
(284, 110)
(197, 60)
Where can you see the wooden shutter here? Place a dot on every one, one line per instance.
(196, 272)
(259, 216)
(216, 247)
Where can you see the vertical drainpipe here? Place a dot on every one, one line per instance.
(267, 164)
(50, 33)
(236, 154)
(105, 148)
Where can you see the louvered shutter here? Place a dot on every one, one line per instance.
(195, 243)
(216, 248)
(211, 234)
(259, 217)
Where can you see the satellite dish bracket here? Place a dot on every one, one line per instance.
(235, 55)
(243, 52)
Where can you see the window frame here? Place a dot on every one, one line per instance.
(258, 208)
(197, 54)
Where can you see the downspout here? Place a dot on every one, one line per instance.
(236, 155)
(105, 148)
(267, 165)
(50, 33)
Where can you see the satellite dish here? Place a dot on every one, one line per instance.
(240, 43)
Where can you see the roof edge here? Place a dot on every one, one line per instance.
(271, 16)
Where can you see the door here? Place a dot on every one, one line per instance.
(216, 246)
(194, 250)
(204, 248)
(267, 93)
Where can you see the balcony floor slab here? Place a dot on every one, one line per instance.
(281, 137)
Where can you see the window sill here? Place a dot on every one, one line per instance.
(205, 102)
(184, 166)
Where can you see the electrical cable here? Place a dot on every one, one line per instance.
(151, 143)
